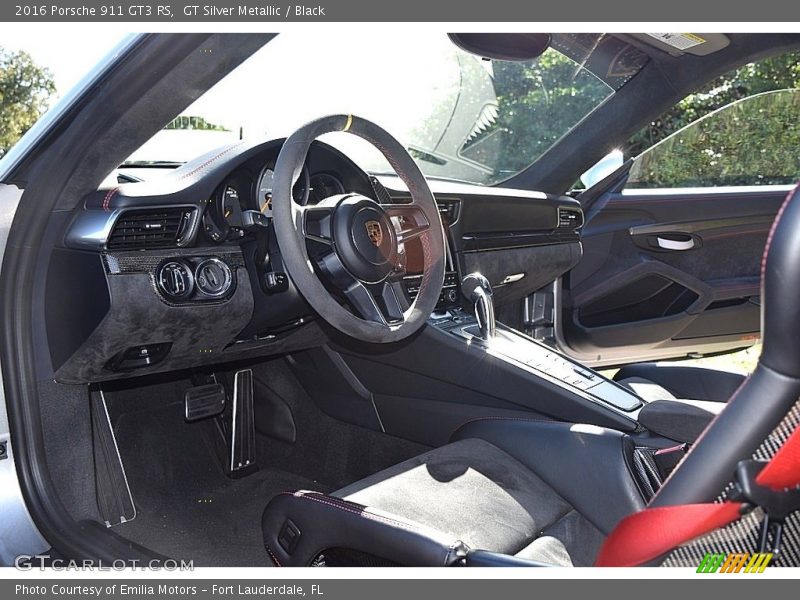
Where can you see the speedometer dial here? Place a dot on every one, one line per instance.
(264, 189)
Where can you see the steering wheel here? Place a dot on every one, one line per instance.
(357, 244)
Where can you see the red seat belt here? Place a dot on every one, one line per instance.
(653, 532)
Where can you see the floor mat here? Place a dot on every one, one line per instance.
(187, 508)
(326, 448)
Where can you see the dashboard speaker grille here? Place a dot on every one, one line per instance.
(151, 228)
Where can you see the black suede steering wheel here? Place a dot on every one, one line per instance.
(355, 245)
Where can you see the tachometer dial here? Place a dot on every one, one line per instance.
(264, 191)
(324, 185)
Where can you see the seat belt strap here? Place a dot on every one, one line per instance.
(644, 536)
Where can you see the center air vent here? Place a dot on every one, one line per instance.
(151, 228)
(569, 218)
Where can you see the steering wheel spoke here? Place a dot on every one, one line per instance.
(409, 220)
(317, 223)
(383, 303)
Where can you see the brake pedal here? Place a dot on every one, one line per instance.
(203, 401)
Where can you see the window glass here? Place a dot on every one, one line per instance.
(459, 116)
(753, 141)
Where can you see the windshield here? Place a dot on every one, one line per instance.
(460, 117)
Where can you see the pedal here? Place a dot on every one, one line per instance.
(243, 431)
(203, 401)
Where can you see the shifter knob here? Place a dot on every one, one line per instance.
(478, 289)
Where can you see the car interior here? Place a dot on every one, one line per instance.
(271, 355)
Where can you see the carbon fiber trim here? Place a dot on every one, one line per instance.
(646, 470)
(122, 263)
(742, 536)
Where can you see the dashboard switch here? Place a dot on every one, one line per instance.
(254, 219)
(276, 282)
(136, 357)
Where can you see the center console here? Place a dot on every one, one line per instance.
(449, 296)
(540, 360)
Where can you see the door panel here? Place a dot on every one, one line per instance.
(666, 273)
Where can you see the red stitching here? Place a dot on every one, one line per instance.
(273, 557)
(108, 197)
(210, 160)
(772, 230)
(348, 507)
(499, 418)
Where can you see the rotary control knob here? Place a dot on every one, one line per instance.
(213, 277)
(175, 280)
(451, 296)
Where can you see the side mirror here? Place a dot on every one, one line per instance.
(603, 168)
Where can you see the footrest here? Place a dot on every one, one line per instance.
(243, 432)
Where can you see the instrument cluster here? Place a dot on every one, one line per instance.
(228, 213)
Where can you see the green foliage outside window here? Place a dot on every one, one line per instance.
(755, 141)
(747, 132)
(24, 92)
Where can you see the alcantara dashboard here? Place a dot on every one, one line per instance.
(177, 271)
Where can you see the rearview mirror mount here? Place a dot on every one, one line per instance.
(515, 47)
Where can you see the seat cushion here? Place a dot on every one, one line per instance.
(540, 490)
(484, 497)
(646, 389)
(668, 381)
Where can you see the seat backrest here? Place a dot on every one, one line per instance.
(767, 396)
(765, 407)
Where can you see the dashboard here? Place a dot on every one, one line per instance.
(183, 270)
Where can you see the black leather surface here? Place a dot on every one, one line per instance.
(326, 522)
(780, 280)
(675, 420)
(769, 393)
(685, 382)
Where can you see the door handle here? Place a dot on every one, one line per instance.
(679, 245)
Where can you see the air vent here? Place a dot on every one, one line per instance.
(570, 218)
(449, 210)
(151, 228)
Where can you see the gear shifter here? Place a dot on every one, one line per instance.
(478, 289)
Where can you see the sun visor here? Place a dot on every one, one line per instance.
(698, 44)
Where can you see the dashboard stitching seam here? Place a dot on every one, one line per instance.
(109, 195)
(210, 161)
